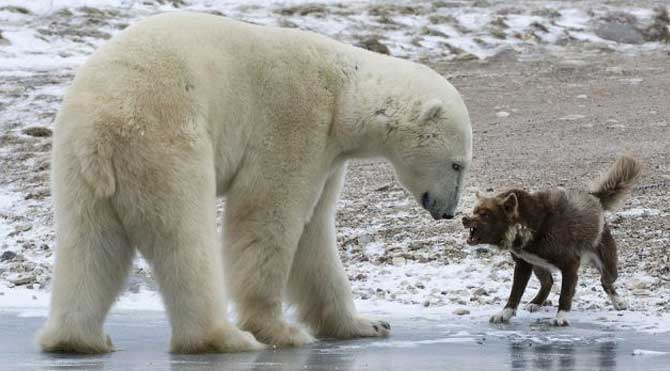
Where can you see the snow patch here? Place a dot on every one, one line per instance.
(638, 213)
(644, 352)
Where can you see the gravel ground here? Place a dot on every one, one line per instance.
(549, 108)
(558, 122)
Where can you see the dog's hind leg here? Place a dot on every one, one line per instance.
(608, 268)
(546, 282)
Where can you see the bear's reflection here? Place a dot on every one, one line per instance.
(269, 360)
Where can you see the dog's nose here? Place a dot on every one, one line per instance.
(466, 221)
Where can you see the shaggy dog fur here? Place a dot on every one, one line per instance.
(554, 230)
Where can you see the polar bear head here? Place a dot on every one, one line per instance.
(430, 147)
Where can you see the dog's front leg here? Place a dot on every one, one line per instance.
(568, 284)
(522, 272)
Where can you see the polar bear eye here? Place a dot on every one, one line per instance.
(456, 167)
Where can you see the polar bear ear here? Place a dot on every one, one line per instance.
(430, 110)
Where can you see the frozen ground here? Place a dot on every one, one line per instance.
(420, 342)
(552, 103)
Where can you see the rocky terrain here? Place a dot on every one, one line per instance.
(555, 91)
(550, 123)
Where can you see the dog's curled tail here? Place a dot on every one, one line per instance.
(614, 187)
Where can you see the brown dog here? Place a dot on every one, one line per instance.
(554, 230)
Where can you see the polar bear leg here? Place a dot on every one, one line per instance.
(178, 237)
(93, 258)
(318, 284)
(258, 250)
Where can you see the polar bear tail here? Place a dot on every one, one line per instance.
(95, 158)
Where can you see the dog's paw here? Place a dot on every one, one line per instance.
(532, 307)
(618, 302)
(498, 318)
(560, 322)
(561, 319)
(503, 317)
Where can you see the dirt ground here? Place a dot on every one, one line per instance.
(556, 114)
(570, 115)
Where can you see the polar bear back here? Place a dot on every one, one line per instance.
(182, 78)
(216, 65)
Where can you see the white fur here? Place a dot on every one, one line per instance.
(535, 260)
(590, 257)
(520, 230)
(561, 318)
(504, 316)
(160, 121)
(526, 234)
(618, 302)
(532, 307)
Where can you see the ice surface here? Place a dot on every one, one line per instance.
(41, 56)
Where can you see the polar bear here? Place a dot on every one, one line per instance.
(184, 107)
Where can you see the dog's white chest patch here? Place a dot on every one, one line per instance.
(535, 260)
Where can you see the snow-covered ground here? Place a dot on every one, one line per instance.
(43, 42)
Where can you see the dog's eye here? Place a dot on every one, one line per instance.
(456, 167)
(484, 215)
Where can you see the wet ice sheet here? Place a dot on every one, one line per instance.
(43, 47)
(419, 343)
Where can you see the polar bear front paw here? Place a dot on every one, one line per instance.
(283, 335)
(503, 317)
(363, 327)
(227, 339)
(381, 328)
(353, 327)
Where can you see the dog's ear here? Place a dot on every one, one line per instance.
(511, 205)
(478, 195)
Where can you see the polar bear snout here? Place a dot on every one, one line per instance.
(434, 207)
(427, 201)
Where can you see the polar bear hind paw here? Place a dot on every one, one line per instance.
(53, 344)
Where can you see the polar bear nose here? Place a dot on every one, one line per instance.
(430, 204)
(427, 201)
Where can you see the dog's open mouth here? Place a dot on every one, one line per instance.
(472, 239)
